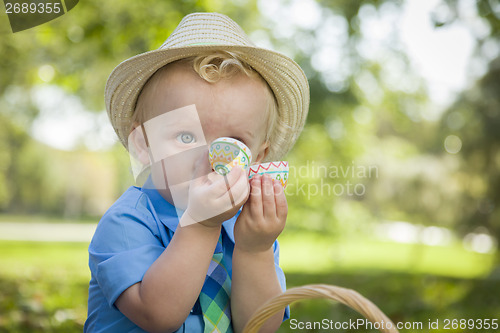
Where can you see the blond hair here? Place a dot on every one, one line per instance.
(212, 67)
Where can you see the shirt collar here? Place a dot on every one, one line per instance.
(169, 215)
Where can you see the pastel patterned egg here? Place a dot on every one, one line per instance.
(277, 170)
(225, 153)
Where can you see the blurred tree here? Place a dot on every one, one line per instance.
(474, 120)
(358, 116)
(365, 118)
(83, 46)
(76, 52)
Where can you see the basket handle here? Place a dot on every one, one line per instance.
(345, 296)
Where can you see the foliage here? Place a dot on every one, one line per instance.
(41, 305)
(475, 120)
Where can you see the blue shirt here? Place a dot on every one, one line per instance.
(131, 235)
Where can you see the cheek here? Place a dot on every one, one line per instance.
(162, 149)
(258, 144)
(172, 183)
(179, 167)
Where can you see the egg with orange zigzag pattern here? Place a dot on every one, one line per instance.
(277, 170)
(225, 153)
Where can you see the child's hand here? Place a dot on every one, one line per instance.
(263, 216)
(214, 198)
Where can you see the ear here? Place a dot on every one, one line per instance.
(263, 150)
(137, 145)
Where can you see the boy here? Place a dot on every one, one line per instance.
(178, 254)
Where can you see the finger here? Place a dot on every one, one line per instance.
(255, 200)
(280, 199)
(240, 190)
(234, 175)
(224, 183)
(229, 191)
(268, 202)
(220, 185)
(213, 177)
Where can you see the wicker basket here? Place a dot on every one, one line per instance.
(348, 297)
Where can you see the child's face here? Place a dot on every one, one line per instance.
(187, 113)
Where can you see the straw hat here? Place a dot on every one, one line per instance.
(196, 34)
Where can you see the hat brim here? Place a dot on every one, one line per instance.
(284, 76)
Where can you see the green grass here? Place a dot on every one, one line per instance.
(299, 253)
(48, 259)
(43, 286)
(45, 219)
(318, 254)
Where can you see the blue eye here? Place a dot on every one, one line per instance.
(186, 138)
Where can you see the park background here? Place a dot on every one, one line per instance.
(394, 189)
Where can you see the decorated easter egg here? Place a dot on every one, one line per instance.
(277, 170)
(225, 153)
